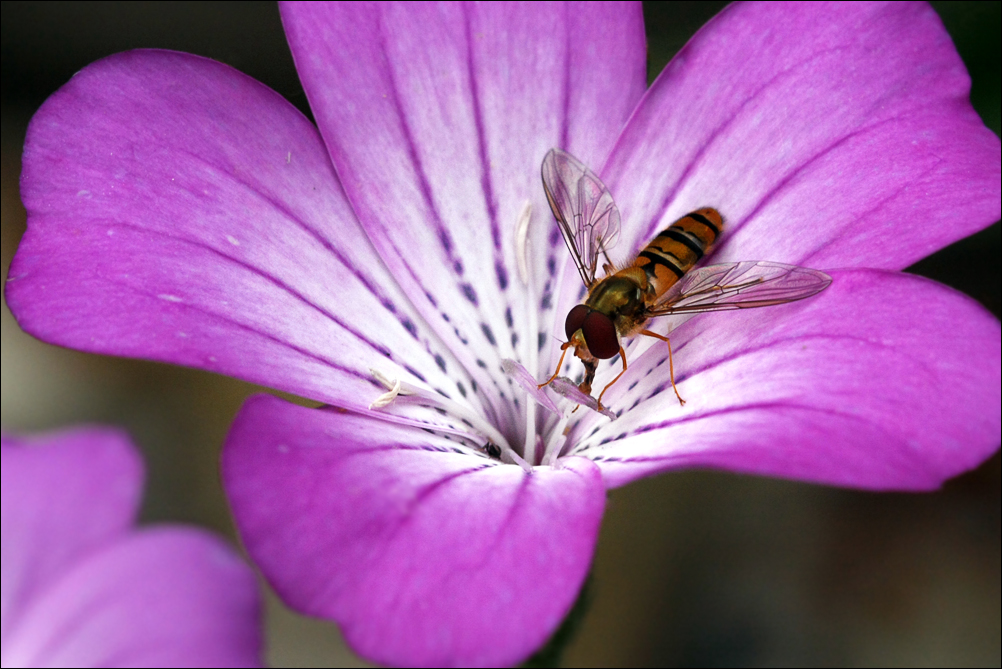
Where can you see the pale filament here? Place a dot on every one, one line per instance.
(522, 242)
(556, 441)
(522, 249)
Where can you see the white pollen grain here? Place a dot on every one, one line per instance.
(233, 240)
(170, 298)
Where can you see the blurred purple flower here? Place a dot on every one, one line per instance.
(179, 211)
(83, 588)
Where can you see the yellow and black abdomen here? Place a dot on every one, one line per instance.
(677, 248)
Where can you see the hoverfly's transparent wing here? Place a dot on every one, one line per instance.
(584, 209)
(740, 285)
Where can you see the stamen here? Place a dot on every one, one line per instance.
(564, 386)
(522, 260)
(517, 459)
(531, 437)
(522, 242)
(387, 397)
(472, 418)
(522, 376)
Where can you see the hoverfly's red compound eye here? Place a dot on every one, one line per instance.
(575, 319)
(600, 335)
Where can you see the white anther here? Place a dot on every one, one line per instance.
(393, 386)
(387, 382)
(522, 242)
(387, 397)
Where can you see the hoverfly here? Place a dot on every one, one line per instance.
(658, 282)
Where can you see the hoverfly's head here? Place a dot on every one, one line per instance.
(597, 330)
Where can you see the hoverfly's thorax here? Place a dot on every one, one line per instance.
(616, 295)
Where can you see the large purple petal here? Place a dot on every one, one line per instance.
(181, 211)
(437, 117)
(165, 597)
(64, 494)
(883, 381)
(826, 135)
(423, 554)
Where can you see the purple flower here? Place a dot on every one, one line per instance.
(83, 588)
(179, 211)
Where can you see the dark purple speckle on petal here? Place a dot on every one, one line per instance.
(488, 333)
(470, 293)
(502, 275)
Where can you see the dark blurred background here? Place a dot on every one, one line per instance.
(692, 569)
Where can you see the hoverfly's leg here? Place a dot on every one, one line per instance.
(559, 365)
(590, 367)
(622, 355)
(671, 364)
(585, 386)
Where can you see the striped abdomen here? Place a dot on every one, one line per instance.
(677, 248)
